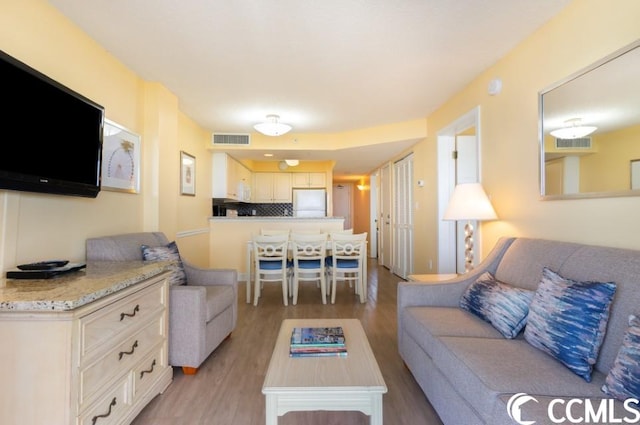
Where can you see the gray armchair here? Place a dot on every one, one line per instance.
(202, 313)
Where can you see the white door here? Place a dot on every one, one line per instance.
(466, 165)
(403, 217)
(373, 216)
(342, 205)
(458, 162)
(385, 217)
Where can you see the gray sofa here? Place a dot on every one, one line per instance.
(469, 371)
(202, 313)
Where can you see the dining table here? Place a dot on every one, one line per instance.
(362, 291)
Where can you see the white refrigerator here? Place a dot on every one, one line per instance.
(309, 203)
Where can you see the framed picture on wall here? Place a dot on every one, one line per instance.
(187, 174)
(120, 159)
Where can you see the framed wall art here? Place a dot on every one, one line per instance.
(120, 159)
(187, 174)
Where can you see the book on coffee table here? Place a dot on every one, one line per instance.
(317, 337)
(317, 342)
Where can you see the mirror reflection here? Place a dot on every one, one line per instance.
(590, 129)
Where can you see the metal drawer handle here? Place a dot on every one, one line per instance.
(135, 310)
(133, 348)
(95, 418)
(150, 370)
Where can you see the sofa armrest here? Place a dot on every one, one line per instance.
(198, 276)
(448, 293)
(442, 294)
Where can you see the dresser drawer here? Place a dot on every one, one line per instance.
(110, 407)
(111, 323)
(121, 358)
(145, 374)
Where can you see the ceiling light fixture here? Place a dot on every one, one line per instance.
(273, 126)
(573, 130)
(292, 162)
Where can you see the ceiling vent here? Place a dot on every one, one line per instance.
(231, 139)
(579, 143)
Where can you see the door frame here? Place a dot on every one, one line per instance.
(447, 239)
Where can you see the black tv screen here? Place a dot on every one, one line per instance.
(50, 135)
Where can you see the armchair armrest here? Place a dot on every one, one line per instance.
(187, 319)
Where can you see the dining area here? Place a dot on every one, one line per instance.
(310, 260)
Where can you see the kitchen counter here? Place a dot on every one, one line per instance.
(229, 236)
(70, 291)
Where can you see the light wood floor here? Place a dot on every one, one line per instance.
(228, 386)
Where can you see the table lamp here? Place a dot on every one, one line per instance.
(469, 202)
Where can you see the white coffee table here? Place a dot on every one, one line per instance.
(346, 383)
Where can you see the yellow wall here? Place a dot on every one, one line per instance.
(581, 34)
(39, 226)
(610, 169)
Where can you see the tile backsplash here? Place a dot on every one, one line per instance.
(258, 210)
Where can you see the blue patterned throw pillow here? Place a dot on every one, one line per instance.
(568, 320)
(168, 252)
(623, 380)
(504, 306)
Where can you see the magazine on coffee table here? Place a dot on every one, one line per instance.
(317, 342)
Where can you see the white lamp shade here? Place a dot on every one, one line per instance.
(469, 202)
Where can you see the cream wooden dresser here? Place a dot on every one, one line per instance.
(89, 348)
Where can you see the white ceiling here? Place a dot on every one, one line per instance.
(325, 66)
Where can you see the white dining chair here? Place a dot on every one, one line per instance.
(270, 253)
(347, 262)
(309, 253)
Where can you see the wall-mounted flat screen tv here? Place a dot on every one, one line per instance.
(50, 135)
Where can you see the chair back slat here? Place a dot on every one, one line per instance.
(270, 255)
(309, 253)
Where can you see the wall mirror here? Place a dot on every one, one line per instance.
(596, 152)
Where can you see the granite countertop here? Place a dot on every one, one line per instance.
(70, 291)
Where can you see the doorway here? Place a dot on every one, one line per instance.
(403, 217)
(384, 220)
(458, 162)
(342, 203)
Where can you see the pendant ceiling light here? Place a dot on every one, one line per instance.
(273, 126)
(573, 130)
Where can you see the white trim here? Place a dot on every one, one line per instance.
(194, 232)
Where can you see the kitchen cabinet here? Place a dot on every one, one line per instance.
(231, 179)
(309, 180)
(272, 188)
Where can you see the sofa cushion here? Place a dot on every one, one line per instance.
(568, 320)
(483, 369)
(426, 324)
(218, 299)
(504, 306)
(168, 252)
(623, 380)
